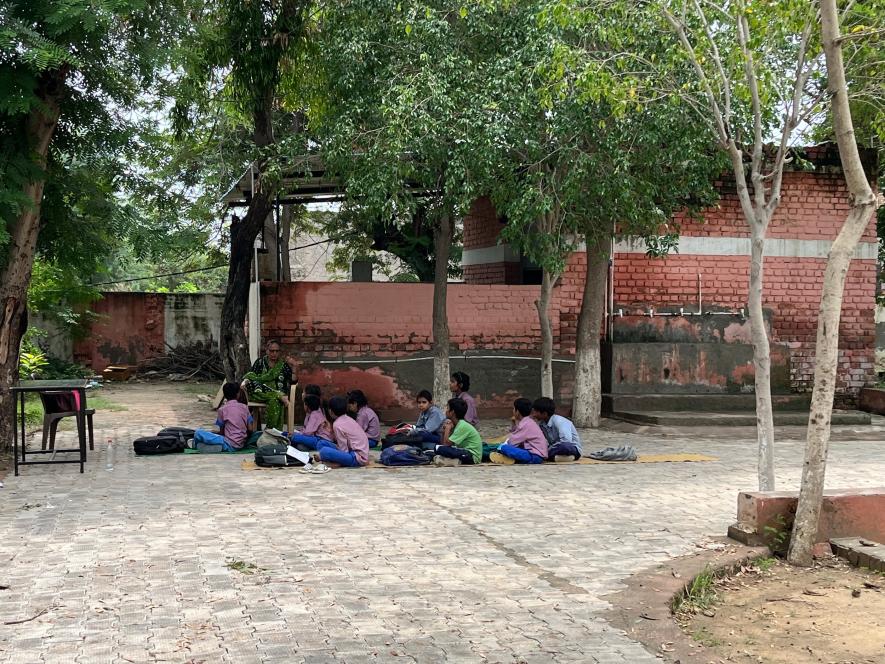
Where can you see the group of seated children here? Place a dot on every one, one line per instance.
(346, 441)
(342, 430)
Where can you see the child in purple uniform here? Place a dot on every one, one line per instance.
(316, 426)
(233, 421)
(527, 443)
(358, 408)
(460, 386)
(351, 446)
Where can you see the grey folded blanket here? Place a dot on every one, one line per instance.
(623, 453)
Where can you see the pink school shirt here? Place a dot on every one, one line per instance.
(316, 424)
(528, 435)
(368, 421)
(471, 415)
(233, 417)
(350, 437)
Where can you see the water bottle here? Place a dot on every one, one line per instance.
(109, 457)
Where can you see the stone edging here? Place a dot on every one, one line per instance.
(642, 610)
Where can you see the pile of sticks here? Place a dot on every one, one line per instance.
(199, 360)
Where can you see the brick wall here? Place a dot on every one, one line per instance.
(481, 225)
(129, 328)
(132, 327)
(492, 273)
(377, 337)
(388, 320)
(812, 209)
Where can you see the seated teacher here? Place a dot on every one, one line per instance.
(269, 382)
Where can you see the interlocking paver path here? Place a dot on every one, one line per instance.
(507, 564)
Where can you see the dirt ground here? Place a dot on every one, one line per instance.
(831, 613)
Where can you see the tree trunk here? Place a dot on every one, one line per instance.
(15, 276)
(285, 238)
(233, 345)
(543, 306)
(442, 244)
(862, 204)
(761, 361)
(587, 403)
(268, 260)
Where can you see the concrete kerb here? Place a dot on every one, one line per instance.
(643, 608)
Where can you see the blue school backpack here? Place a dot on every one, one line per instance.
(403, 455)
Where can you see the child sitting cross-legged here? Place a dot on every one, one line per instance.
(430, 418)
(358, 408)
(565, 443)
(233, 421)
(527, 443)
(461, 442)
(351, 446)
(316, 426)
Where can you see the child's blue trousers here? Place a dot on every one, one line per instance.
(519, 454)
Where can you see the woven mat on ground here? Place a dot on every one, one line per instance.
(249, 464)
(245, 450)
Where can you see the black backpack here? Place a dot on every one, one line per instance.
(404, 455)
(182, 433)
(401, 438)
(158, 445)
(273, 455)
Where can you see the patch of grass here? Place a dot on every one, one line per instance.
(243, 567)
(103, 403)
(200, 388)
(697, 595)
(34, 408)
(778, 534)
(764, 564)
(703, 636)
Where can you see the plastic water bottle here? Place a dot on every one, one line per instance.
(109, 457)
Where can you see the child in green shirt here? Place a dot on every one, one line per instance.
(461, 442)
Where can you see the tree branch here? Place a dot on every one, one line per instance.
(743, 32)
(721, 128)
(791, 121)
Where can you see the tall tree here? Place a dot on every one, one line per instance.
(584, 116)
(862, 205)
(403, 125)
(66, 70)
(756, 74)
(241, 52)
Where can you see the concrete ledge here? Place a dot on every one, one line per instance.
(860, 552)
(761, 516)
(872, 400)
(733, 418)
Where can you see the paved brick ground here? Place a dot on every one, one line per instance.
(508, 564)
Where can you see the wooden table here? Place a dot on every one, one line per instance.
(18, 407)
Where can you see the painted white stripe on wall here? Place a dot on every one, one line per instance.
(740, 246)
(501, 253)
(692, 246)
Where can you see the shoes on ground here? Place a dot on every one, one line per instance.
(439, 460)
(501, 459)
(315, 468)
(564, 458)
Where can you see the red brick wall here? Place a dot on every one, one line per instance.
(481, 225)
(130, 328)
(492, 273)
(813, 207)
(388, 319)
(345, 334)
(791, 292)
